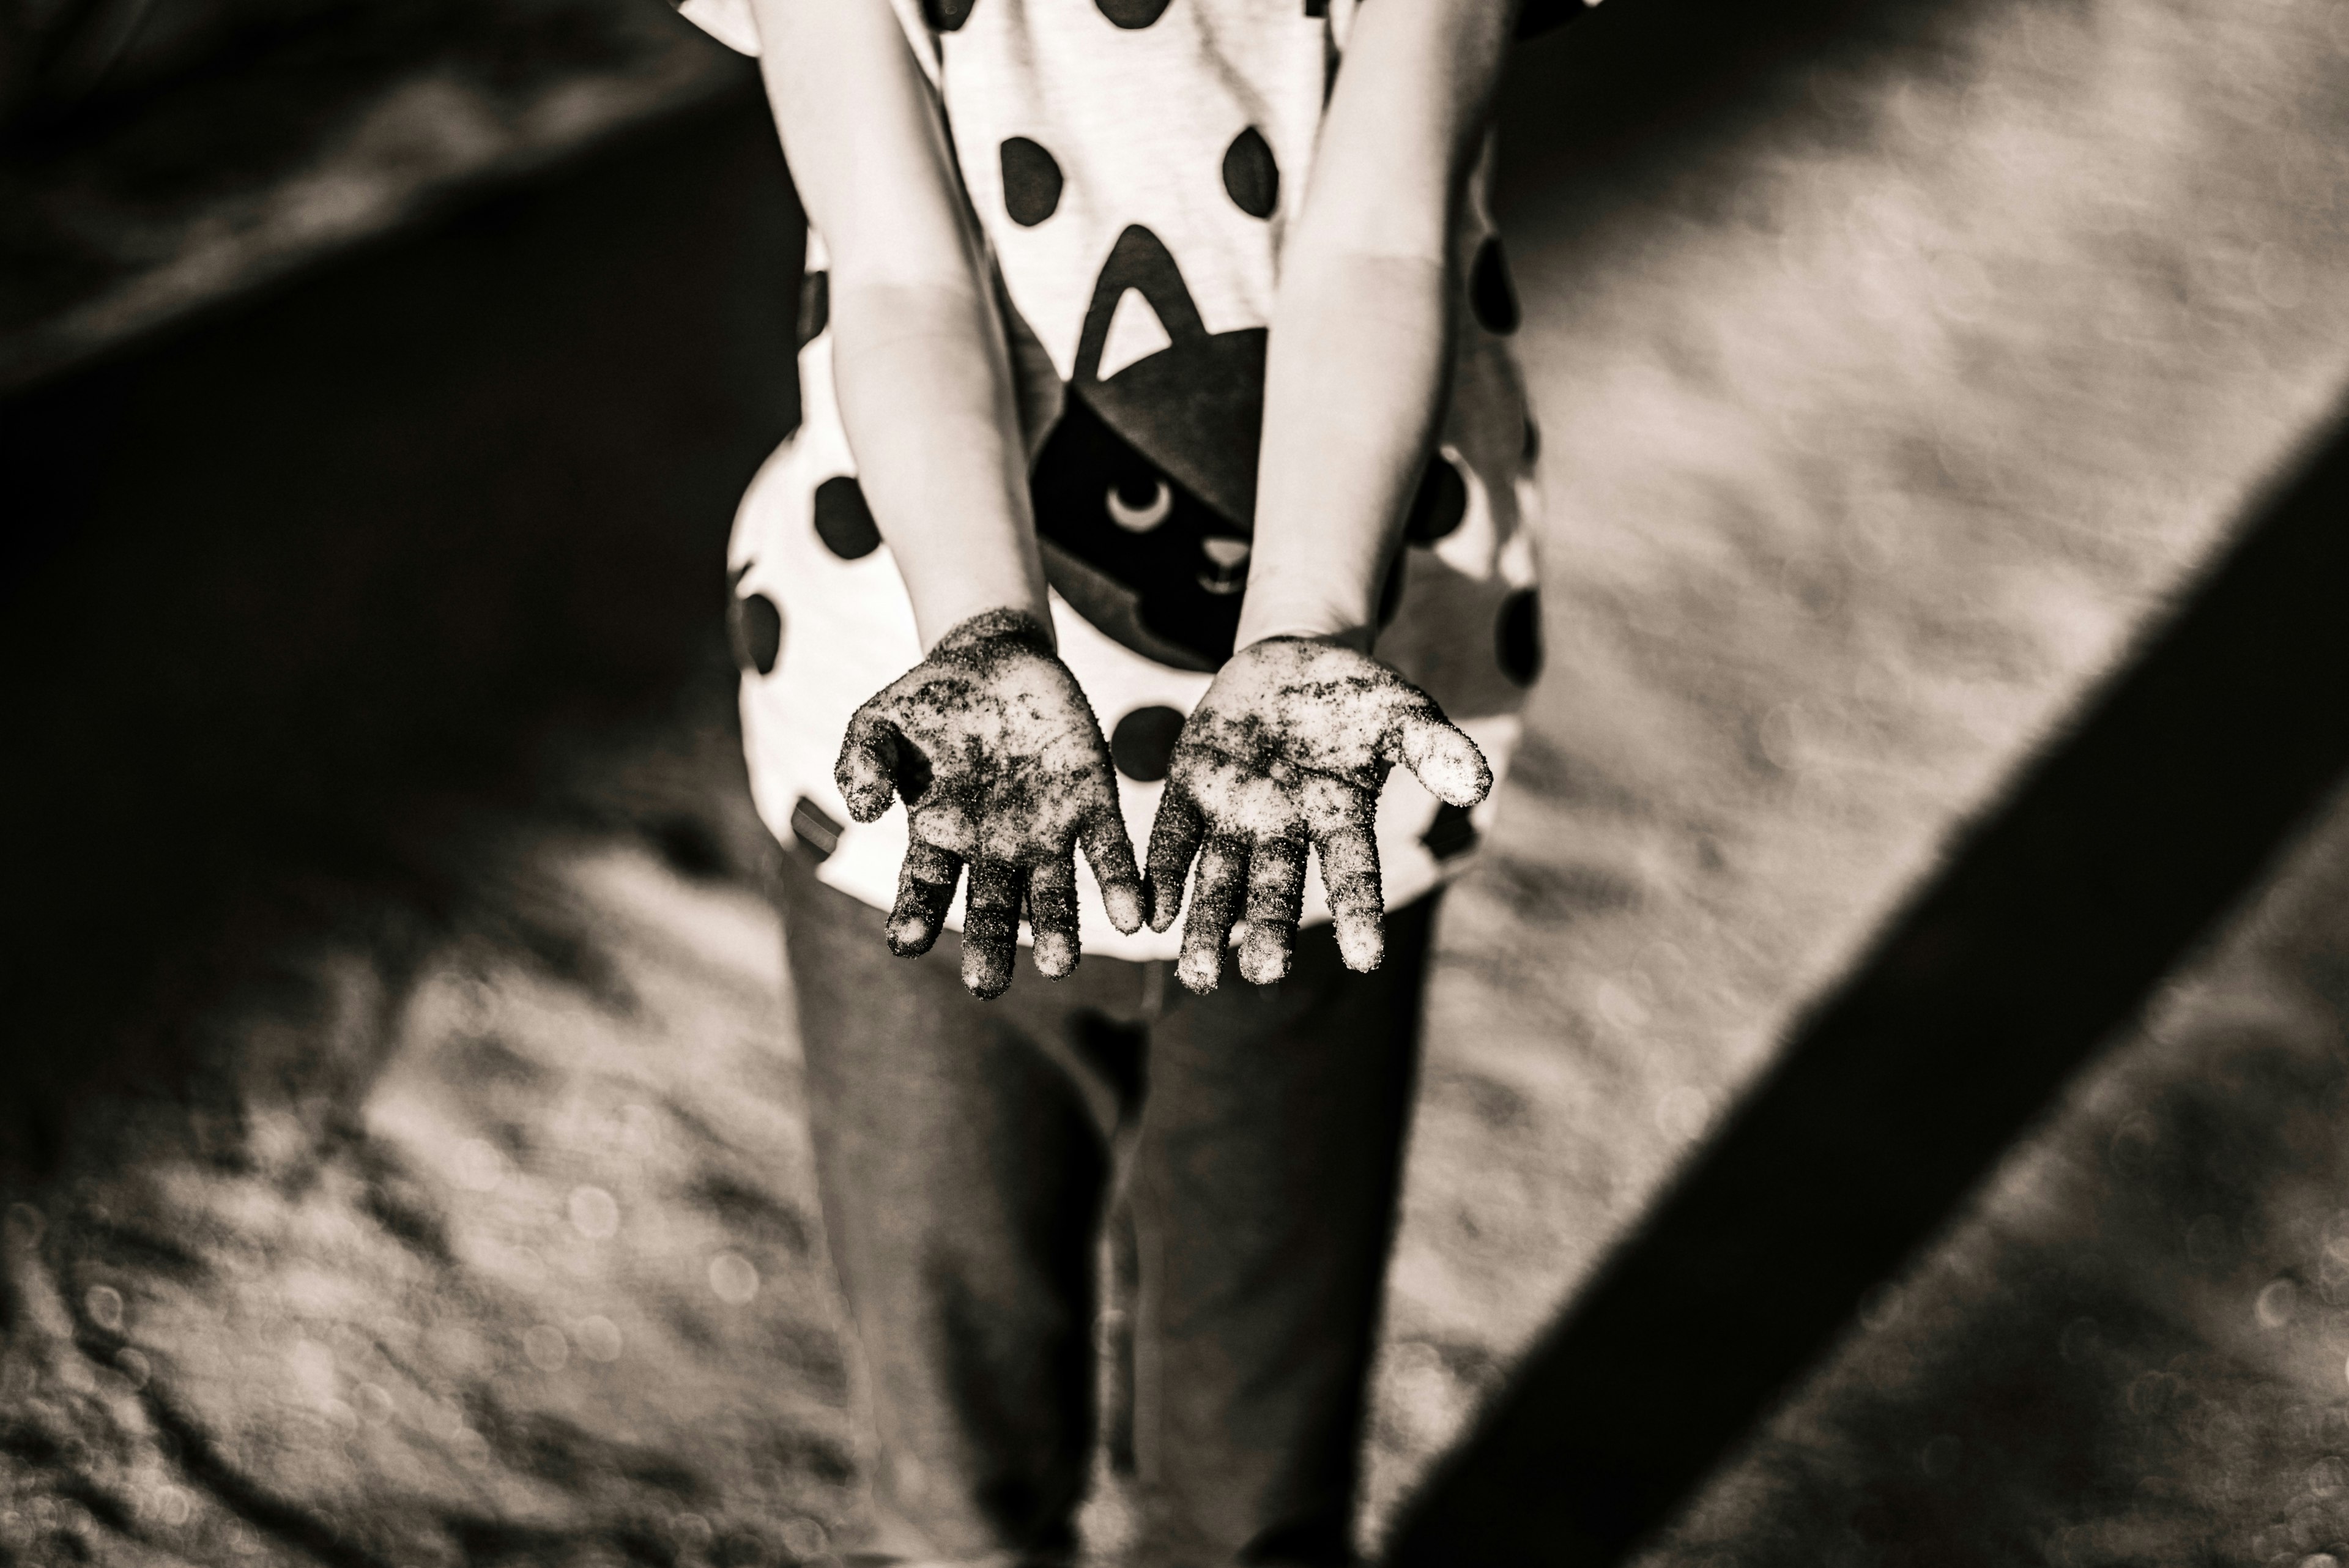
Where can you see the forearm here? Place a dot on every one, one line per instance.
(926, 402)
(918, 360)
(1353, 391)
(1362, 329)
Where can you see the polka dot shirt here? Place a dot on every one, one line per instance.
(1131, 165)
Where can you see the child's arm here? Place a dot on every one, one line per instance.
(918, 359)
(1292, 742)
(988, 739)
(1362, 329)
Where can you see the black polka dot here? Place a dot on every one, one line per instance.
(1517, 637)
(1440, 505)
(843, 521)
(1451, 833)
(1031, 182)
(1490, 293)
(754, 630)
(1142, 742)
(945, 15)
(1250, 177)
(815, 306)
(1391, 591)
(1532, 441)
(1132, 13)
(813, 826)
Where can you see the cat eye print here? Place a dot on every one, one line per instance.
(1141, 518)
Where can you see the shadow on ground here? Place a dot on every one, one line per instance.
(1873, 423)
(396, 1138)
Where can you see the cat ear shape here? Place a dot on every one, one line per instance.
(1193, 405)
(1141, 261)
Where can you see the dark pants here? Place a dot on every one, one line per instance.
(967, 1153)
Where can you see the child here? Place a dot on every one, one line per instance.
(1074, 265)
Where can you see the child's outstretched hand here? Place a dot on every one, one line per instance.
(1288, 748)
(1001, 764)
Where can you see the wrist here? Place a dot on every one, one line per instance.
(1305, 621)
(1016, 623)
(944, 604)
(1359, 638)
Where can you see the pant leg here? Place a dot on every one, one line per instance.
(962, 1165)
(1264, 1197)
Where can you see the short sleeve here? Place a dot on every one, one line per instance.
(731, 22)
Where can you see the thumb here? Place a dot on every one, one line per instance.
(866, 772)
(1440, 755)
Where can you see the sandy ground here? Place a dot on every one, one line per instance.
(403, 1162)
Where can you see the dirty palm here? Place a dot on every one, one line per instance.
(1002, 767)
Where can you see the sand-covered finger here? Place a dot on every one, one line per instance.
(1052, 916)
(1276, 899)
(867, 771)
(1110, 855)
(1174, 839)
(1441, 755)
(990, 925)
(1217, 888)
(1350, 875)
(1276, 886)
(925, 887)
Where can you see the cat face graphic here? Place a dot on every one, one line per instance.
(1145, 491)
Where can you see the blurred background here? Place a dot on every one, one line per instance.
(399, 1153)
